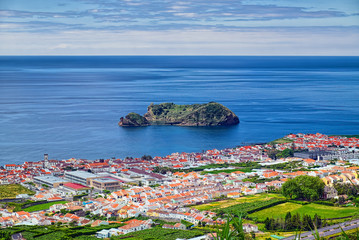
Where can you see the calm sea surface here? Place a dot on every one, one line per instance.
(70, 106)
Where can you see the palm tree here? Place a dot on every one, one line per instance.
(232, 230)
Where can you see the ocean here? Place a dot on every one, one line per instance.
(70, 106)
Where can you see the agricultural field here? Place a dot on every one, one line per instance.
(58, 232)
(11, 190)
(42, 206)
(248, 207)
(160, 234)
(310, 209)
(246, 199)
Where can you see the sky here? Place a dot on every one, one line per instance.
(179, 27)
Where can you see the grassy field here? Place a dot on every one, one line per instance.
(311, 209)
(42, 206)
(58, 232)
(281, 140)
(11, 190)
(230, 202)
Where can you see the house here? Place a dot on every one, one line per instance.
(233, 195)
(168, 226)
(271, 174)
(103, 234)
(247, 227)
(135, 225)
(330, 192)
(277, 184)
(106, 233)
(308, 162)
(6, 221)
(179, 226)
(98, 223)
(57, 207)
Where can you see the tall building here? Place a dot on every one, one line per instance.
(46, 161)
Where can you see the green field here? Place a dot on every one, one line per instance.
(11, 190)
(87, 232)
(281, 140)
(160, 234)
(310, 209)
(42, 206)
(246, 199)
(58, 232)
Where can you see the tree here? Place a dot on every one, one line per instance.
(285, 153)
(146, 157)
(346, 189)
(267, 223)
(296, 222)
(304, 187)
(288, 221)
(317, 221)
(272, 153)
(307, 223)
(5, 235)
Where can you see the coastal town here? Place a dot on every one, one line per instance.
(138, 192)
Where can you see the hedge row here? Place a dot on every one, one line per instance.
(324, 203)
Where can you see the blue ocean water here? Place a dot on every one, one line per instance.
(70, 106)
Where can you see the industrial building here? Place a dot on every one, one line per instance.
(80, 177)
(106, 183)
(50, 181)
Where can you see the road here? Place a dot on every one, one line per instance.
(327, 231)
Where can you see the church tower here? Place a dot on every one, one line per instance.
(46, 160)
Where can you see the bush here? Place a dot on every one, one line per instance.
(299, 202)
(325, 203)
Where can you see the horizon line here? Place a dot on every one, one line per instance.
(165, 55)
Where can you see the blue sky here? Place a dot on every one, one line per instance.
(179, 27)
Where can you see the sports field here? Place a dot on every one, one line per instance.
(42, 206)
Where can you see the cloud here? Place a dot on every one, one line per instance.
(164, 14)
(245, 41)
(39, 26)
(227, 27)
(61, 46)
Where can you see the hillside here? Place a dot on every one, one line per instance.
(11, 190)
